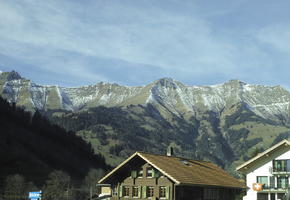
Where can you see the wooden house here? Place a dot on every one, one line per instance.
(150, 176)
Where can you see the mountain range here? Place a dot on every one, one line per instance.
(223, 123)
(270, 102)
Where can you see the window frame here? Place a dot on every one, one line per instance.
(162, 192)
(140, 173)
(262, 196)
(265, 185)
(125, 190)
(281, 165)
(134, 192)
(280, 183)
(150, 191)
(280, 195)
(149, 169)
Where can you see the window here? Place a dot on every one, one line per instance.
(282, 182)
(135, 191)
(288, 165)
(272, 182)
(140, 173)
(262, 196)
(134, 174)
(263, 180)
(126, 191)
(149, 172)
(272, 196)
(281, 165)
(162, 192)
(149, 191)
(281, 196)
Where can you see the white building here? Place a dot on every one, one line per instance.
(267, 174)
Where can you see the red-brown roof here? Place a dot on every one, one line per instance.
(185, 171)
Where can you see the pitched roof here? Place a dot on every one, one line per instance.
(186, 172)
(245, 165)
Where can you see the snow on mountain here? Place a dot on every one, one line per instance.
(266, 101)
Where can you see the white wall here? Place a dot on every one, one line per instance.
(261, 171)
(283, 156)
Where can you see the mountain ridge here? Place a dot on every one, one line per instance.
(266, 101)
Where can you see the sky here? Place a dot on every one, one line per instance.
(134, 42)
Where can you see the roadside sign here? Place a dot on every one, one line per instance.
(35, 195)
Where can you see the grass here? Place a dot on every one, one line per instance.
(267, 131)
(102, 149)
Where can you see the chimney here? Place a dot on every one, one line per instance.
(169, 151)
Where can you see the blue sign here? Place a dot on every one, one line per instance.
(35, 195)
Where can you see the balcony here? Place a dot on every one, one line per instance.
(267, 189)
(280, 172)
(280, 167)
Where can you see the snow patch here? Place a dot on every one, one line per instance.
(248, 88)
(105, 98)
(263, 100)
(38, 95)
(150, 99)
(59, 95)
(216, 85)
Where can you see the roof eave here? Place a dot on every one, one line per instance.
(219, 186)
(243, 166)
(118, 167)
(144, 158)
(161, 170)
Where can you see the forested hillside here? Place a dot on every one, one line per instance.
(33, 148)
(226, 138)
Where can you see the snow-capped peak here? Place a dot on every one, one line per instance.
(266, 101)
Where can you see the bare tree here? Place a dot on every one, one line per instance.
(91, 180)
(15, 187)
(57, 186)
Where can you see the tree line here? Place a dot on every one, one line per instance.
(58, 186)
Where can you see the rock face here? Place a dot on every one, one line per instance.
(265, 101)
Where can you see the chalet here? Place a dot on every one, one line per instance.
(150, 176)
(267, 174)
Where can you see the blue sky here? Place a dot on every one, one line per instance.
(134, 42)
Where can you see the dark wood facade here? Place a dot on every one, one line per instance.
(205, 193)
(135, 186)
(140, 180)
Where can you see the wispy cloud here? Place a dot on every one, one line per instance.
(276, 35)
(134, 42)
